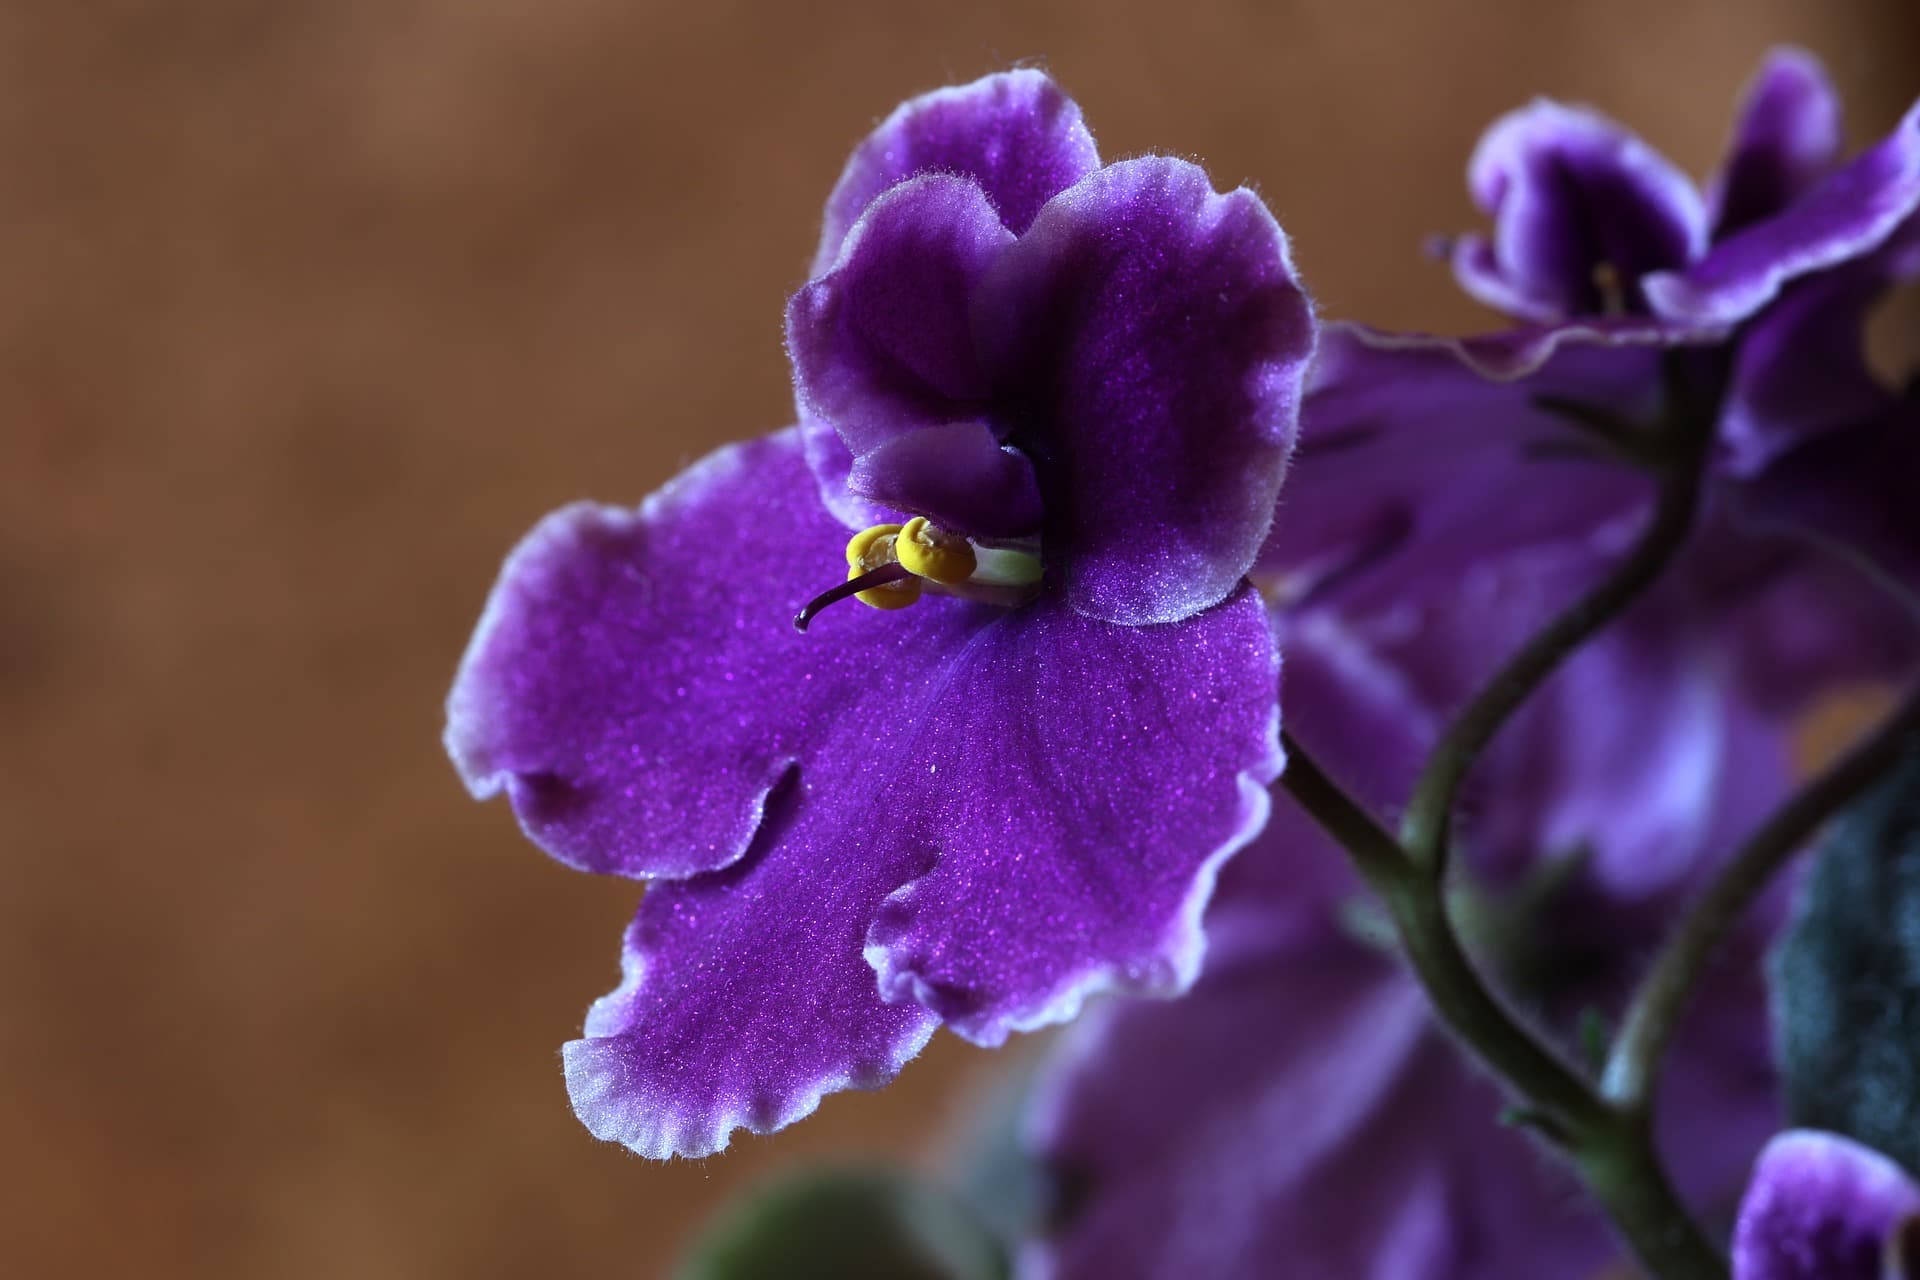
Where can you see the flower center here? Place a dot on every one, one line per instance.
(889, 566)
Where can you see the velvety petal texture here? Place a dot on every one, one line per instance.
(998, 809)
(1571, 192)
(1155, 341)
(1082, 782)
(959, 475)
(1014, 135)
(635, 685)
(1822, 1207)
(883, 343)
(744, 997)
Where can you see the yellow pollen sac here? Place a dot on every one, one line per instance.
(894, 595)
(875, 548)
(861, 547)
(928, 551)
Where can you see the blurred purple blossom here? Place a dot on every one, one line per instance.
(1822, 1207)
(1301, 1109)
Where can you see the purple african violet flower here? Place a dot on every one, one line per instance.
(1299, 1112)
(1429, 454)
(1081, 382)
(1590, 221)
(1822, 1207)
(1599, 240)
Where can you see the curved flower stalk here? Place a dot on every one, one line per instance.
(1045, 409)
(1822, 1207)
(1302, 1103)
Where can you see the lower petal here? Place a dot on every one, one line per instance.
(745, 996)
(1077, 783)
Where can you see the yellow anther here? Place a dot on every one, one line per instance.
(861, 546)
(928, 551)
(894, 595)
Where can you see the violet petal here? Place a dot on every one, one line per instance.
(1014, 134)
(1299, 1104)
(744, 997)
(1413, 466)
(1156, 336)
(636, 686)
(639, 692)
(1801, 369)
(959, 476)
(1786, 138)
(1078, 784)
(1849, 214)
(1569, 192)
(1852, 489)
(1820, 1207)
(831, 463)
(883, 342)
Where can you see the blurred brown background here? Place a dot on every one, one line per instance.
(307, 310)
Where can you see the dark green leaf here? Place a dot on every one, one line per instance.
(1846, 979)
(846, 1224)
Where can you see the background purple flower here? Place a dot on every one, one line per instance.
(1599, 240)
(1590, 220)
(1443, 451)
(1822, 1207)
(978, 809)
(1300, 1104)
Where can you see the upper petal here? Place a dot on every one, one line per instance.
(1015, 134)
(1786, 138)
(883, 342)
(1848, 215)
(1571, 191)
(636, 685)
(1156, 341)
(1820, 1207)
(958, 475)
(1078, 784)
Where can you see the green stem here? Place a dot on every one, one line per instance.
(1433, 949)
(1610, 1148)
(1625, 1174)
(1424, 828)
(1634, 1064)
